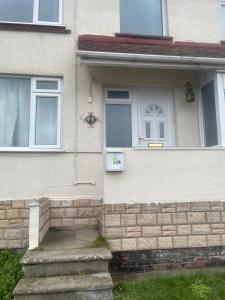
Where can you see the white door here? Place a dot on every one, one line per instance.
(155, 117)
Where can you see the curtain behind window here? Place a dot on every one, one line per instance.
(14, 112)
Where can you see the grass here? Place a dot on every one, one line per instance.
(10, 273)
(100, 242)
(203, 286)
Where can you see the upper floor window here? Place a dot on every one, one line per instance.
(223, 16)
(31, 11)
(145, 17)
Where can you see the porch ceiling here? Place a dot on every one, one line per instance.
(145, 52)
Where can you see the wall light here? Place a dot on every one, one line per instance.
(189, 92)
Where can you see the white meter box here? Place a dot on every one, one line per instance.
(114, 161)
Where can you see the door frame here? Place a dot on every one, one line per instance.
(134, 102)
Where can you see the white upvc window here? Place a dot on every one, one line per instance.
(43, 12)
(145, 17)
(30, 113)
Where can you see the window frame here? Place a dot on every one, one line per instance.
(36, 15)
(222, 4)
(164, 13)
(32, 129)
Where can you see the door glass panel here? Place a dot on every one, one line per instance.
(148, 130)
(118, 125)
(209, 114)
(161, 130)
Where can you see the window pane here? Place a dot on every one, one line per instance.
(46, 120)
(223, 17)
(46, 85)
(209, 114)
(16, 11)
(161, 130)
(148, 130)
(141, 17)
(118, 125)
(48, 10)
(14, 112)
(118, 94)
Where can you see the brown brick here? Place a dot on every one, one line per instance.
(55, 203)
(97, 211)
(213, 217)
(95, 202)
(129, 244)
(223, 239)
(67, 222)
(24, 213)
(218, 228)
(169, 228)
(81, 203)
(1, 234)
(128, 220)
(165, 243)
(200, 206)
(81, 222)
(196, 217)
(12, 214)
(183, 207)
(179, 218)
(115, 244)
(115, 232)
(13, 234)
(197, 241)
(85, 212)
(16, 223)
(184, 229)
(5, 205)
(2, 214)
(133, 231)
(180, 242)
(216, 206)
(15, 244)
(133, 208)
(66, 203)
(93, 221)
(168, 207)
(201, 229)
(151, 207)
(3, 244)
(57, 213)
(169, 233)
(213, 240)
(146, 219)
(147, 243)
(115, 208)
(164, 219)
(151, 230)
(55, 223)
(4, 223)
(112, 220)
(18, 204)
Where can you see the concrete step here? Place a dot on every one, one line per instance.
(79, 287)
(65, 262)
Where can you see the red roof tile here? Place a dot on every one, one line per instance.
(123, 44)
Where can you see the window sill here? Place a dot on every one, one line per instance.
(140, 36)
(16, 150)
(34, 28)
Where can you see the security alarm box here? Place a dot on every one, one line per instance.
(115, 161)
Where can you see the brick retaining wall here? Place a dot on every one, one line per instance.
(14, 223)
(164, 226)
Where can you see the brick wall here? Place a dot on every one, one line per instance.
(14, 223)
(75, 213)
(164, 226)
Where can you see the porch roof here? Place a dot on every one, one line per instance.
(97, 49)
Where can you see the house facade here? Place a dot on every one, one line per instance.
(115, 112)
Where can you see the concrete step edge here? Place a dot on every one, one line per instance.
(33, 257)
(63, 284)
